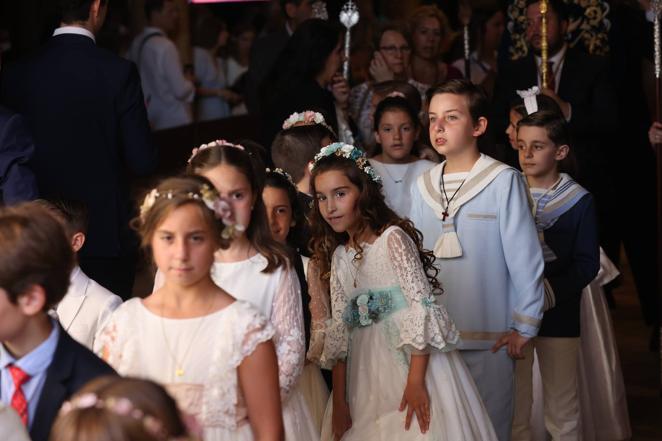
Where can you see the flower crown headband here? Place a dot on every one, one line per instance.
(221, 207)
(306, 118)
(350, 152)
(119, 406)
(218, 142)
(283, 173)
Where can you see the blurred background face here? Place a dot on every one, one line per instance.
(333, 63)
(166, 19)
(555, 29)
(245, 42)
(494, 28)
(427, 38)
(394, 48)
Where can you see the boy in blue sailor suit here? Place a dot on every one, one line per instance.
(565, 218)
(474, 214)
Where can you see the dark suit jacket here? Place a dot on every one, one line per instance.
(264, 54)
(72, 367)
(85, 109)
(574, 240)
(17, 182)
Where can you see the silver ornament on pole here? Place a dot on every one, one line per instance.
(349, 16)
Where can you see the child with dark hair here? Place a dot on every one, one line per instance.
(285, 218)
(40, 365)
(86, 306)
(293, 150)
(391, 346)
(396, 130)
(474, 213)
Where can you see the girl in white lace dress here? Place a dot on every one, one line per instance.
(213, 353)
(256, 268)
(396, 373)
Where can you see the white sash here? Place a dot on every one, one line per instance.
(481, 175)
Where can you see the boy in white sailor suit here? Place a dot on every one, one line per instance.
(87, 305)
(474, 214)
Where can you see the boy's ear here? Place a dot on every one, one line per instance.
(32, 300)
(378, 139)
(480, 127)
(77, 241)
(562, 152)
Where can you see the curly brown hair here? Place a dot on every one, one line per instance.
(375, 214)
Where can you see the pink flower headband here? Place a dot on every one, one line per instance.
(218, 142)
(283, 173)
(124, 407)
(306, 118)
(212, 200)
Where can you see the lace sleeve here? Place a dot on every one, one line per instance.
(337, 334)
(424, 324)
(320, 311)
(287, 319)
(256, 330)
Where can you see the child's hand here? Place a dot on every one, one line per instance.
(341, 420)
(655, 133)
(515, 344)
(416, 400)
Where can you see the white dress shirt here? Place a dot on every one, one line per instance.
(74, 30)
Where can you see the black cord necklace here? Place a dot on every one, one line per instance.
(445, 214)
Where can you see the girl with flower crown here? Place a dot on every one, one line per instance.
(391, 346)
(213, 353)
(258, 269)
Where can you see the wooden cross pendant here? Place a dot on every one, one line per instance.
(444, 215)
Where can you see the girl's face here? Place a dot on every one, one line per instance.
(396, 133)
(337, 198)
(183, 246)
(279, 212)
(511, 130)
(427, 38)
(233, 185)
(332, 65)
(394, 48)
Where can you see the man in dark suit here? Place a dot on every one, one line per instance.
(85, 109)
(41, 366)
(17, 182)
(266, 49)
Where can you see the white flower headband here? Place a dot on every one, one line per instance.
(120, 406)
(350, 152)
(283, 173)
(221, 207)
(306, 118)
(218, 142)
(530, 100)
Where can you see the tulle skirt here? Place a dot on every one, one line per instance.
(377, 375)
(315, 393)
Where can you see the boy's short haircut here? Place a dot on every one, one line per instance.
(475, 95)
(295, 147)
(35, 251)
(73, 214)
(555, 125)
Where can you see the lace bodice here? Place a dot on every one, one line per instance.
(320, 311)
(392, 260)
(137, 342)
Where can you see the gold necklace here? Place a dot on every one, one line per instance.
(179, 364)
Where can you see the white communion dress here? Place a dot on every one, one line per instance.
(277, 295)
(383, 311)
(397, 181)
(195, 359)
